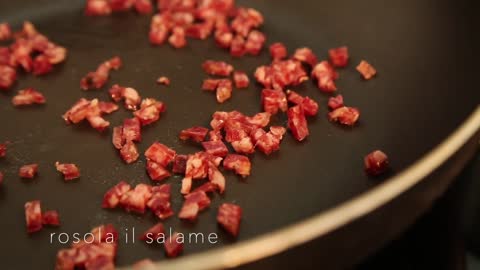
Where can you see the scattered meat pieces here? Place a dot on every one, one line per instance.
(3, 149)
(163, 80)
(215, 148)
(107, 107)
(98, 78)
(51, 218)
(8, 76)
(180, 164)
(28, 96)
(255, 42)
(97, 252)
(229, 217)
(268, 142)
(28, 171)
(245, 20)
(156, 171)
(5, 31)
(345, 115)
(129, 152)
(196, 134)
(33, 216)
(297, 123)
(196, 168)
(217, 68)
(339, 56)
(117, 137)
(160, 153)
(224, 90)
(210, 84)
(274, 100)
(335, 102)
(305, 55)
(173, 246)
(281, 74)
(112, 197)
(156, 232)
(178, 39)
(194, 203)
(325, 75)
(278, 51)
(150, 111)
(238, 163)
(131, 130)
(241, 79)
(97, 8)
(310, 106)
(87, 109)
(41, 65)
(366, 70)
(159, 203)
(376, 163)
(69, 171)
(136, 199)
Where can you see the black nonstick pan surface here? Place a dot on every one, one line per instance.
(427, 86)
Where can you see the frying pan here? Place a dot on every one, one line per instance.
(422, 109)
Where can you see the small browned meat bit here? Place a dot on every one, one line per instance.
(325, 75)
(339, 56)
(238, 163)
(163, 80)
(273, 101)
(178, 39)
(298, 123)
(98, 78)
(160, 153)
(8, 76)
(3, 150)
(218, 68)
(90, 110)
(33, 216)
(229, 217)
(241, 79)
(376, 163)
(224, 90)
(345, 115)
(129, 152)
(154, 233)
(335, 102)
(156, 171)
(196, 134)
(280, 74)
(5, 32)
(194, 203)
(160, 203)
(305, 55)
(366, 70)
(173, 246)
(97, 252)
(131, 97)
(51, 218)
(69, 171)
(278, 51)
(28, 171)
(112, 197)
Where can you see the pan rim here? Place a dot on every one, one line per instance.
(327, 221)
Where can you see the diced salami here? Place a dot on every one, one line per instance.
(5, 32)
(217, 68)
(339, 56)
(194, 203)
(117, 137)
(129, 152)
(51, 218)
(274, 100)
(178, 39)
(241, 79)
(215, 148)
(325, 75)
(376, 163)
(112, 197)
(28, 96)
(163, 80)
(136, 199)
(196, 134)
(98, 78)
(366, 70)
(155, 232)
(149, 111)
(238, 163)
(180, 164)
(33, 216)
(229, 217)
(335, 102)
(305, 55)
(131, 130)
(156, 171)
(159, 203)
(28, 171)
(173, 245)
(69, 171)
(345, 115)
(297, 123)
(8, 76)
(278, 51)
(255, 42)
(160, 154)
(224, 90)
